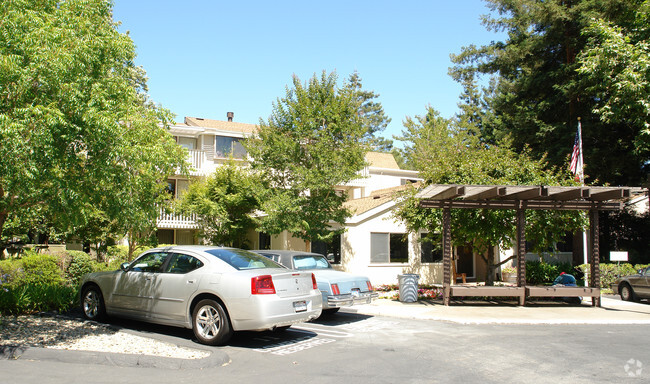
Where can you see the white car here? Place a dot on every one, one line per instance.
(339, 288)
(212, 290)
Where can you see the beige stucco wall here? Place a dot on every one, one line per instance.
(355, 253)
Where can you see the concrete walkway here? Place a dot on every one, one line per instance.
(612, 311)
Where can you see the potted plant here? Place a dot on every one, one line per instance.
(508, 274)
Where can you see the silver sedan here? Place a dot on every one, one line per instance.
(212, 290)
(339, 288)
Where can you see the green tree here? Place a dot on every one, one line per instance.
(78, 133)
(371, 113)
(311, 143)
(617, 63)
(225, 203)
(540, 94)
(446, 151)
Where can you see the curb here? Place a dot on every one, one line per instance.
(216, 358)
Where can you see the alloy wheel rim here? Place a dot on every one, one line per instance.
(207, 321)
(91, 304)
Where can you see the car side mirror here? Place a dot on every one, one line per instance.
(124, 266)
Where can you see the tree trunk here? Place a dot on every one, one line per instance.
(3, 219)
(489, 274)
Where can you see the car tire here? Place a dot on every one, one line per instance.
(92, 303)
(626, 292)
(210, 323)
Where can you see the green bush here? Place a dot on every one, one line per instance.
(538, 273)
(39, 268)
(115, 256)
(9, 269)
(610, 272)
(30, 298)
(80, 264)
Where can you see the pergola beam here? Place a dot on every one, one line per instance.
(531, 204)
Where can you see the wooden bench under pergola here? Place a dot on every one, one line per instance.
(521, 198)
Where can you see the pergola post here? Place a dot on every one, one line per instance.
(521, 247)
(594, 241)
(446, 253)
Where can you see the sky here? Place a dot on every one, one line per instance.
(206, 58)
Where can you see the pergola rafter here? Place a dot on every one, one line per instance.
(521, 198)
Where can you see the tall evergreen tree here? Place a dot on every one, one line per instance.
(371, 113)
(540, 94)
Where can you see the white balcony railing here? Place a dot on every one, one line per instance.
(170, 220)
(197, 160)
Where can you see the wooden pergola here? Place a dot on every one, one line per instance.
(521, 198)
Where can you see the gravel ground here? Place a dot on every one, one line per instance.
(59, 332)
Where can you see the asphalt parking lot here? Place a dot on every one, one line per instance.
(402, 344)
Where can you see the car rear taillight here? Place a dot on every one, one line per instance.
(313, 281)
(335, 289)
(262, 285)
(369, 285)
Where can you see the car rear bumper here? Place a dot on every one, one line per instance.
(346, 300)
(270, 311)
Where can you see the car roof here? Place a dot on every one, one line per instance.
(282, 252)
(195, 248)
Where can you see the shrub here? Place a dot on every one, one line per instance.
(9, 269)
(38, 268)
(610, 272)
(80, 264)
(539, 273)
(30, 298)
(115, 256)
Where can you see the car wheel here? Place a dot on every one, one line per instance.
(626, 292)
(210, 323)
(92, 303)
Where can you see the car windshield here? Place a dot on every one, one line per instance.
(310, 262)
(240, 259)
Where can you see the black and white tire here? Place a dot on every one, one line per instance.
(92, 303)
(210, 323)
(627, 294)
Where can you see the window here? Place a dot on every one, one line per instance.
(310, 262)
(331, 250)
(430, 247)
(182, 264)
(240, 259)
(265, 240)
(187, 142)
(388, 248)
(150, 262)
(229, 146)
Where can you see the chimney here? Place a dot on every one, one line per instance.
(230, 115)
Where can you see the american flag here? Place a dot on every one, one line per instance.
(576, 157)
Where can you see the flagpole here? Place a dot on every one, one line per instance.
(577, 167)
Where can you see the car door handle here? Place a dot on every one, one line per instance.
(190, 281)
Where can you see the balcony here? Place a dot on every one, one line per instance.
(170, 220)
(197, 160)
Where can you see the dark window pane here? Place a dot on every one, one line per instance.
(399, 248)
(431, 248)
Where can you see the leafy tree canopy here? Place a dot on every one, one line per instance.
(446, 151)
(77, 131)
(311, 143)
(617, 63)
(224, 203)
(539, 92)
